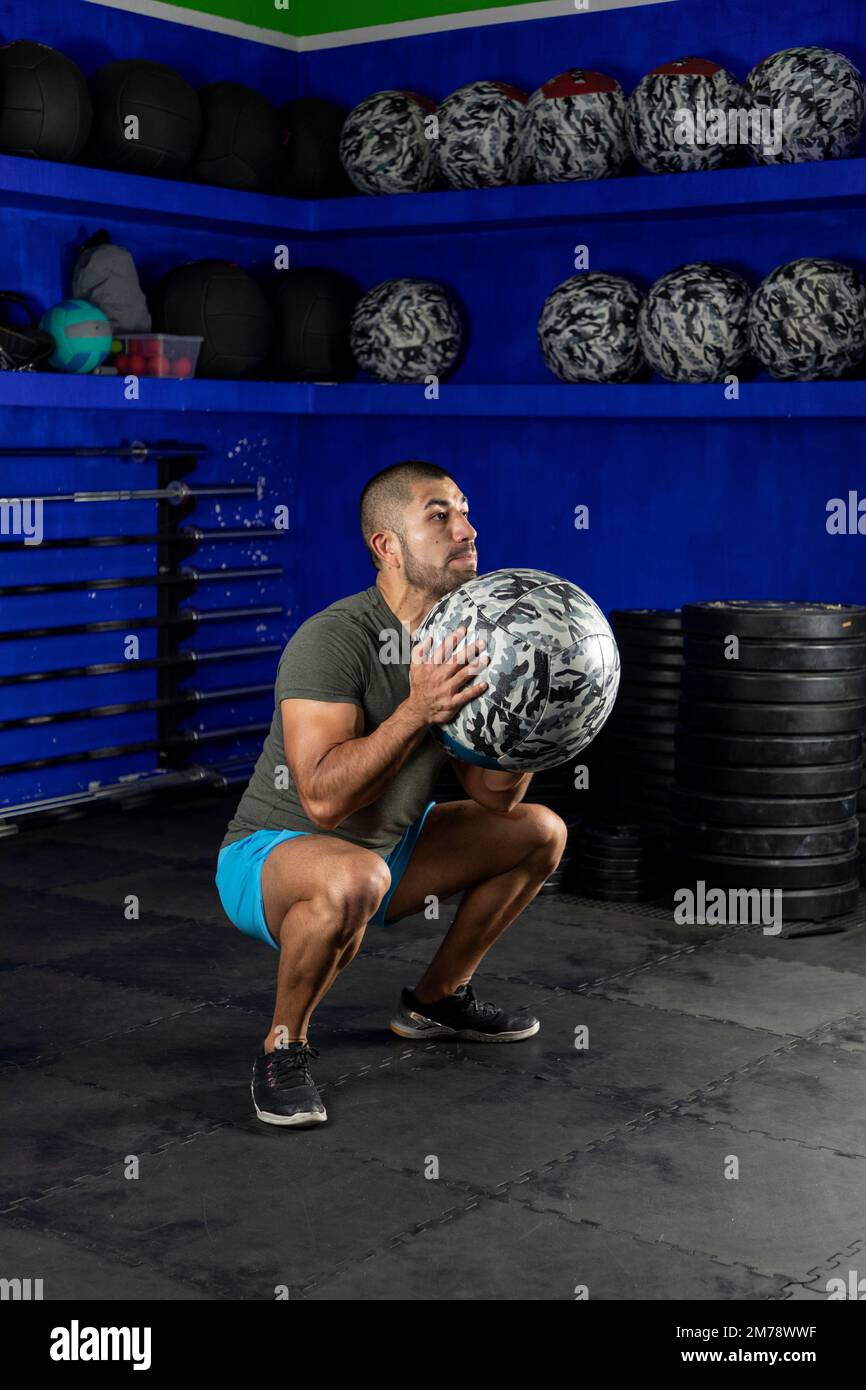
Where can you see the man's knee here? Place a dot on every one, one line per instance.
(353, 890)
(547, 833)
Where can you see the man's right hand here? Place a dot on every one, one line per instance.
(439, 680)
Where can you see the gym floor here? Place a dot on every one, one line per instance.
(130, 1045)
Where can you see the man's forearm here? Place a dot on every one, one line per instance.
(357, 772)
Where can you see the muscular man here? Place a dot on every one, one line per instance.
(336, 828)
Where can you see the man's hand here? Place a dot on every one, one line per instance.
(439, 683)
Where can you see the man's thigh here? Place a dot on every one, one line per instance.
(462, 844)
(315, 866)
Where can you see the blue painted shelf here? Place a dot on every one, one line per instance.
(107, 196)
(650, 401)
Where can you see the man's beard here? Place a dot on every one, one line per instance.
(430, 579)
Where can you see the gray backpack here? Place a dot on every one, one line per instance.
(105, 275)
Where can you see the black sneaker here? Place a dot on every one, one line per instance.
(460, 1016)
(284, 1092)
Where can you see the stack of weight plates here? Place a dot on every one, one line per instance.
(769, 752)
(633, 757)
(620, 863)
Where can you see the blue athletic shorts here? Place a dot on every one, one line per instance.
(239, 875)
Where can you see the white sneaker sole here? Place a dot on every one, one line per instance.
(405, 1027)
(304, 1118)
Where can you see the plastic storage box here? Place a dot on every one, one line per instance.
(156, 354)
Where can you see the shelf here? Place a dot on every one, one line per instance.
(651, 401)
(103, 195)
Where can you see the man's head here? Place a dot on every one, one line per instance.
(415, 524)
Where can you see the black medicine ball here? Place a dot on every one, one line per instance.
(222, 304)
(241, 141)
(45, 107)
(313, 312)
(146, 118)
(311, 166)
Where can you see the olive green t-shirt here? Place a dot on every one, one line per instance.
(336, 656)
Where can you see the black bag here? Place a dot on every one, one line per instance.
(22, 349)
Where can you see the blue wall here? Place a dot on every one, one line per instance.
(679, 509)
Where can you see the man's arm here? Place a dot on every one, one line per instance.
(336, 769)
(496, 791)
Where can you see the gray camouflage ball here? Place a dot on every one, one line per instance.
(694, 323)
(553, 672)
(406, 330)
(575, 128)
(653, 117)
(821, 101)
(588, 329)
(479, 135)
(807, 320)
(384, 146)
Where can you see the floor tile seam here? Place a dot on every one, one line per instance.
(75, 1241)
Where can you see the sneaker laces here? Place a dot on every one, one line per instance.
(289, 1066)
(483, 1011)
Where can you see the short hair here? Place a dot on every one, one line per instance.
(387, 493)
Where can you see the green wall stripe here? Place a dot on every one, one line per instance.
(313, 24)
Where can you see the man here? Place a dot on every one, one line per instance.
(337, 829)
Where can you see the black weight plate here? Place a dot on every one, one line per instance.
(775, 620)
(631, 655)
(624, 749)
(649, 701)
(668, 677)
(819, 903)
(625, 729)
(644, 759)
(776, 656)
(625, 835)
(621, 862)
(624, 895)
(646, 619)
(839, 779)
(799, 687)
(647, 808)
(724, 871)
(791, 842)
(848, 717)
(646, 711)
(772, 750)
(763, 810)
(624, 880)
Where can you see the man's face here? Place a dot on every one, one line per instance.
(438, 541)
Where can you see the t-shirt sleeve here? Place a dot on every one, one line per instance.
(326, 659)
